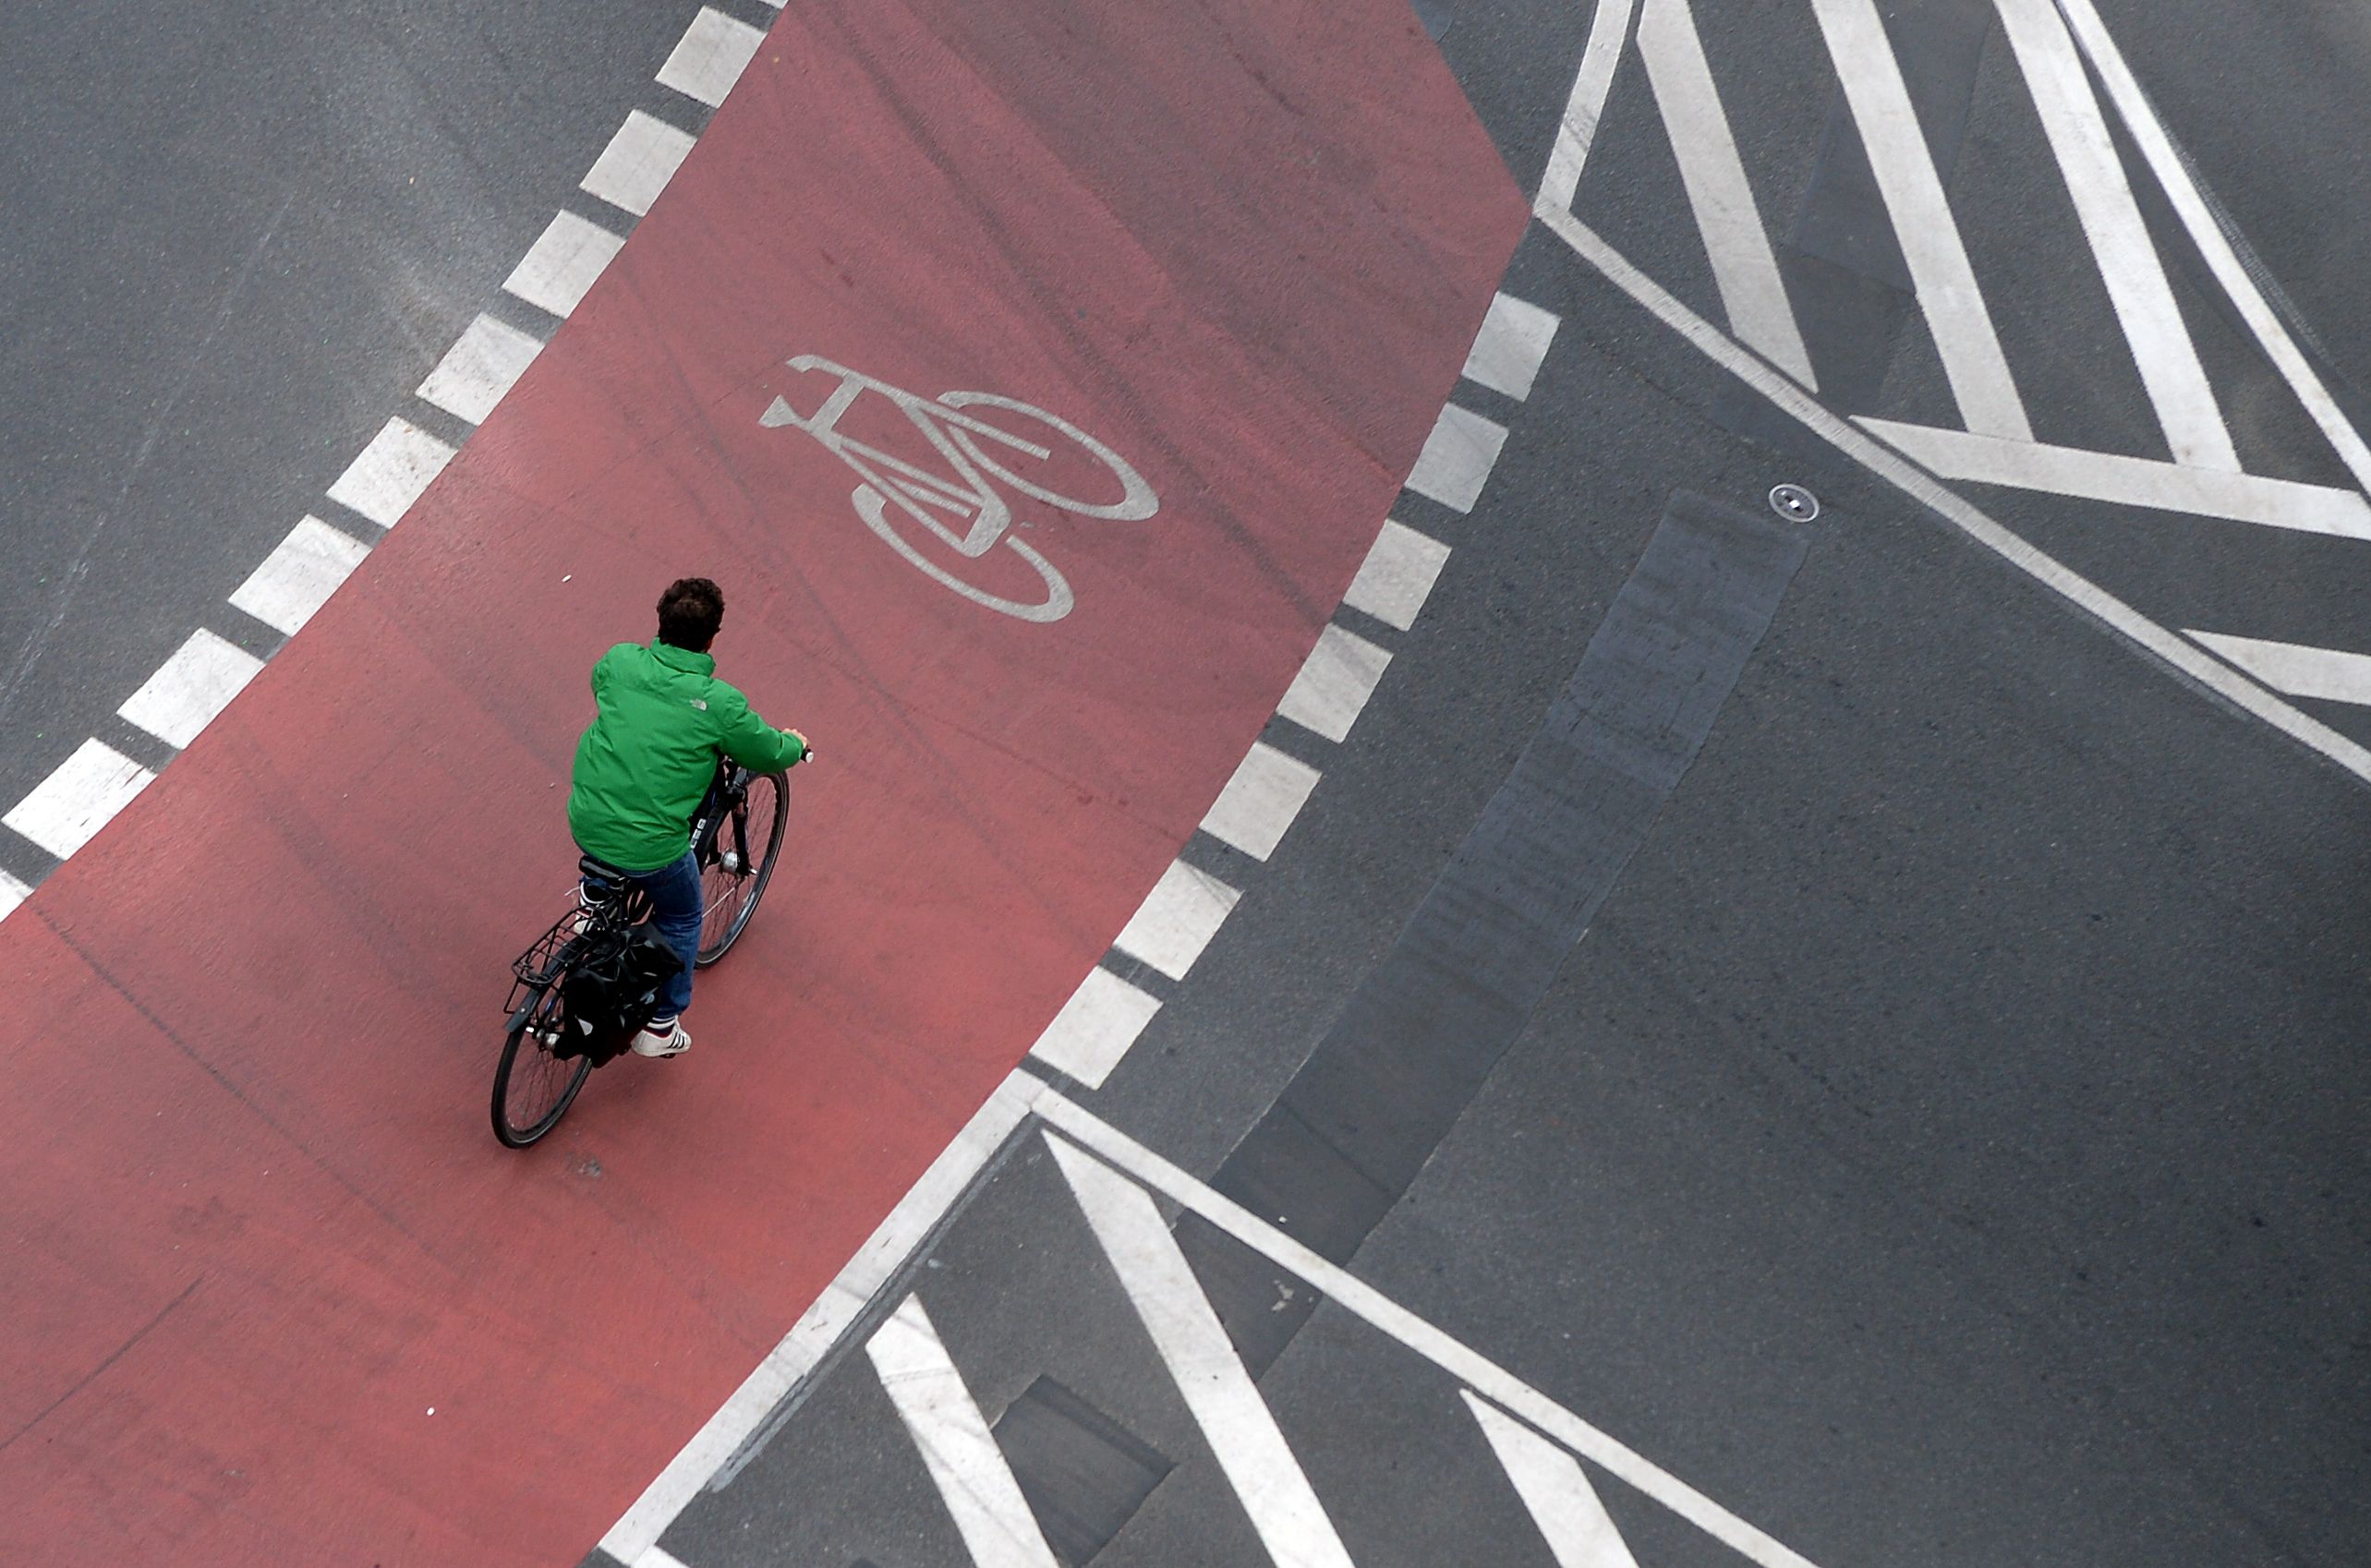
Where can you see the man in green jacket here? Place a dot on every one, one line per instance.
(645, 765)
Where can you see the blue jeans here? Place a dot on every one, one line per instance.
(675, 912)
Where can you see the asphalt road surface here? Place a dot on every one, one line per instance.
(1696, 1032)
(239, 236)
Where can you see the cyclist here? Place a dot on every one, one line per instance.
(645, 763)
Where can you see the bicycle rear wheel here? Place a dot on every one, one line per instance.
(533, 1087)
(740, 861)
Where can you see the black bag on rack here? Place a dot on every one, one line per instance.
(613, 990)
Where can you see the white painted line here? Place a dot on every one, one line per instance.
(1398, 576)
(1178, 919)
(1745, 269)
(1256, 808)
(2131, 481)
(1904, 168)
(2128, 262)
(1193, 1345)
(1507, 352)
(1346, 1290)
(657, 1557)
(2172, 173)
(190, 688)
(1917, 483)
(1335, 683)
(401, 461)
(80, 797)
(821, 1327)
(478, 369)
(1458, 458)
(299, 575)
(1609, 29)
(1571, 1517)
(562, 264)
(946, 1427)
(12, 893)
(1095, 1028)
(714, 52)
(2294, 669)
(637, 164)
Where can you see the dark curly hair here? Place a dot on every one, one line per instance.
(689, 612)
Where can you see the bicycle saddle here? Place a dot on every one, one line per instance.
(592, 870)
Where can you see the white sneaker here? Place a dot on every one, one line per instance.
(668, 1039)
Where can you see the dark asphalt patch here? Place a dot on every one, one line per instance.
(1084, 1473)
(1422, 1032)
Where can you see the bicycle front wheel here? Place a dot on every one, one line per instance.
(739, 863)
(534, 1087)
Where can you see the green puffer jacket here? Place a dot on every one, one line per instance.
(646, 758)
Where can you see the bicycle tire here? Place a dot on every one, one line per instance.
(543, 1105)
(738, 833)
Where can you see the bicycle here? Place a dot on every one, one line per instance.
(930, 506)
(548, 1054)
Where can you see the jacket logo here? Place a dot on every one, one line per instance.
(946, 521)
(699, 703)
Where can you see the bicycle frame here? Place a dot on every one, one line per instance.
(728, 796)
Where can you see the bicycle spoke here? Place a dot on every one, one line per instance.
(536, 1084)
(747, 835)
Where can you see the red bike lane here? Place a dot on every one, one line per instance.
(271, 1292)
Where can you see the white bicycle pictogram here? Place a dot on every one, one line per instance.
(933, 502)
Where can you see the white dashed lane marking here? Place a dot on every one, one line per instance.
(1256, 808)
(1508, 350)
(12, 893)
(715, 51)
(299, 575)
(401, 461)
(1458, 458)
(80, 797)
(1092, 1033)
(1103, 1019)
(564, 263)
(1334, 684)
(1399, 574)
(189, 689)
(638, 163)
(1178, 919)
(483, 363)
(390, 474)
